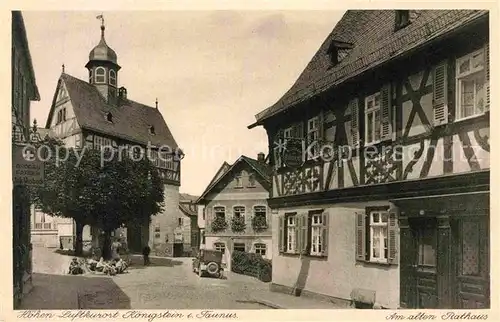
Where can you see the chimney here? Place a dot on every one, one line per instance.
(122, 94)
(261, 157)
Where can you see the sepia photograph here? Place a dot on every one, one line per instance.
(251, 160)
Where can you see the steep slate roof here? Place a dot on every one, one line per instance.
(19, 26)
(263, 169)
(372, 34)
(131, 120)
(223, 168)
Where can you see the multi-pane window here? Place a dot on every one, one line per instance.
(240, 247)
(291, 233)
(378, 236)
(239, 211)
(112, 77)
(166, 161)
(100, 75)
(220, 212)
(238, 181)
(372, 119)
(251, 180)
(157, 231)
(316, 234)
(260, 211)
(471, 85)
(221, 247)
(260, 249)
(313, 135)
(100, 142)
(61, 116)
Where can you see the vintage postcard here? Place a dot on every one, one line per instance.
(225, 163)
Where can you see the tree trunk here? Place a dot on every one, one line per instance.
(106, 245)
(79, 238)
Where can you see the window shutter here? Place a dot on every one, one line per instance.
(303, 244)
(440, 94)
(354, 107)
(392, 238)
(487, 67)
(324, 235)
(360, 236)
(281, 240)
(386, 107)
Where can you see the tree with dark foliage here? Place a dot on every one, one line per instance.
(101, 194)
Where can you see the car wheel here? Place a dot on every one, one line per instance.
(213, 268)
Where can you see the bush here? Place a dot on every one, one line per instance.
(251, 264)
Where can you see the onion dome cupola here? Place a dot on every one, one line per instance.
(103, 68)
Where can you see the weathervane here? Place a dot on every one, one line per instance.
(101, 17)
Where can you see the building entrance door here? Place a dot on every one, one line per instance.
(178, 249)
(419, 265)
(471, 256)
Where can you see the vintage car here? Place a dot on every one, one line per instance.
(208, 262)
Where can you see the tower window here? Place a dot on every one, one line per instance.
(112, 77)
(152, 130)
(90, 76)
(109, 117)
(100, 75)
(402, 19)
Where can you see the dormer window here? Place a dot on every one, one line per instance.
(337, 51)
(90, 76)
(112, 77)
(152, 130)
(402, 19)
(100, 75)
(109, 117)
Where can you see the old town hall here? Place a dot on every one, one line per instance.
(98, 112)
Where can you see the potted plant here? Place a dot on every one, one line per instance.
(259, 223)
(238, 224)
(219, 224)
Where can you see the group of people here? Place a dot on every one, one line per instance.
(115, 266)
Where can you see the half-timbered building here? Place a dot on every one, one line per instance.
(232, 211)
(380, 155)
(24, 91)
(98, 113)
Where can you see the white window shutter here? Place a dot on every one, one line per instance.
(360, 236)
(392, 238)
(354, 107)
(440, 94)
(282, 235)
(386, 111)
(487, 67)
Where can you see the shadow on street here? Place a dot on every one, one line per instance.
(137, 262)
(63, 292)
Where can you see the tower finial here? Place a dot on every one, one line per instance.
(156, 102)
(63, 67)
(101, 17)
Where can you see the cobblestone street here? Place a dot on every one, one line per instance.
(167, 284)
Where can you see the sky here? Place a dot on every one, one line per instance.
(211, 71)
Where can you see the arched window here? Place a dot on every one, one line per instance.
(109, 117)
(100, 75)
(112, 77)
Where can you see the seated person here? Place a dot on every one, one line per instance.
(74, 267)
(100, 265)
